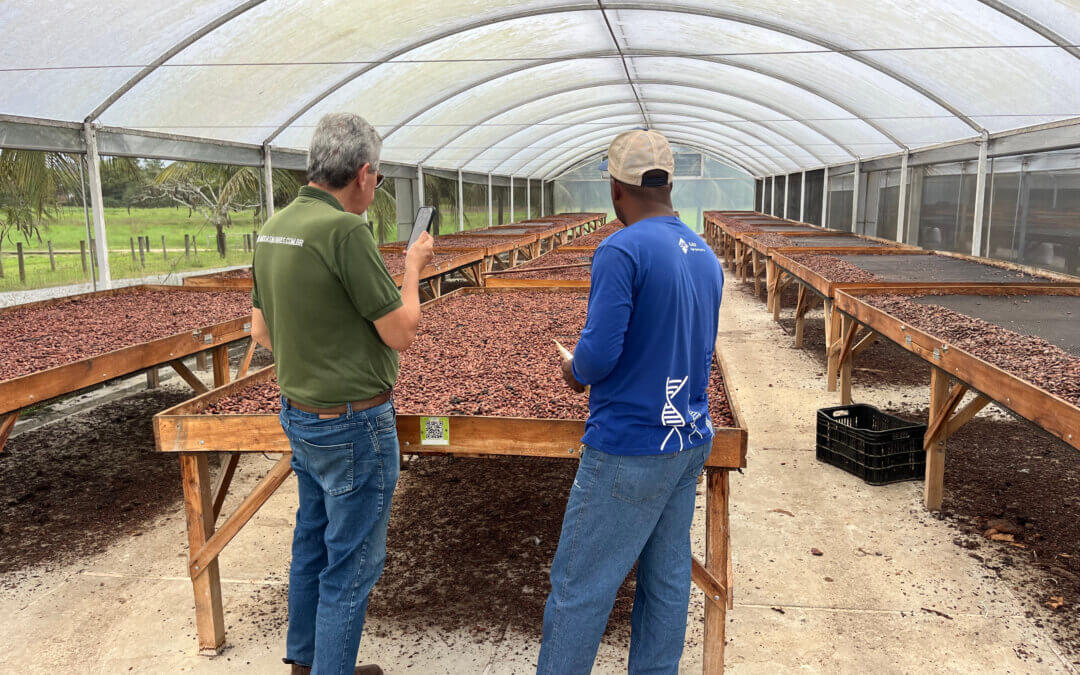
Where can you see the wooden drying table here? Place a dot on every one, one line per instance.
(34, 388)
(191, 433)
(896, 267)
(468, 263)
(949, 362)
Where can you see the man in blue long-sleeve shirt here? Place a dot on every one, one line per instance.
(646, 350)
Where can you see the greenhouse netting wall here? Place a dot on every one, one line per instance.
(701, 184)
(1029, 212)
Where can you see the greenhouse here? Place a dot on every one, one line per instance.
(890, 193)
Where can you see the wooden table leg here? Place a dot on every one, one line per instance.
(717, 543)
(7, 423)
(199, 508)
(800, 315)
(245, 363)
(846, 357)
(832, 340)
(221, 366)
(756, 272)
(935, 452)
(153, 379)
(777, 303)
(770, 284)
(200, 361)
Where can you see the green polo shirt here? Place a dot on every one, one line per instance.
(321, 284)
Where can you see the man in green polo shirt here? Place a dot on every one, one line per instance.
(327, 307)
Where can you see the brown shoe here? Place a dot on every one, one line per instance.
(370, 669)
(298, 669)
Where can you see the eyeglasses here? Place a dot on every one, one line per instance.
(379, 178)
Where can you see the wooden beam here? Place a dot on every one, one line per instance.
(801, 307)
(242, 369)
(7, 423)
(221, 366)
(716, 557)
(714, 589)
(937, 428)
(221, 489)
(205, 557)
(848, 329)
(833, 324)
(965, 414)
(935, 451)
(199, 509)
(865, 343)
(189, 377)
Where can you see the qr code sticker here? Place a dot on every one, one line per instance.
(434, 431)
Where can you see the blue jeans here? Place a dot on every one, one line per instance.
(623, 509)
(346, 469)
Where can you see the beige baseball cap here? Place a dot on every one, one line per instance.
(634, 153)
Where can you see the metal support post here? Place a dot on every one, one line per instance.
(528, 198)
(980, 198)
(490, 221)
(825, 197)
(772, 200)
(420, 185)
(97, 209)
(543, 211)
(511, 199)
(460, 203)
(787, 192)
(855, 200)
(901, 208)
(802, 198)
(268, 183)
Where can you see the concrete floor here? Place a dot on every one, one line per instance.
(862, 606)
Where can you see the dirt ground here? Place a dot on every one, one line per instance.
(1009, 475)
(73, 487)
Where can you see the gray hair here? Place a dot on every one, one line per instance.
(341, 145)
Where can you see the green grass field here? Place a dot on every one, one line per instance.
(68, 229)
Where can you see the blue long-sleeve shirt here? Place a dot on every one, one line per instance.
(648, 341)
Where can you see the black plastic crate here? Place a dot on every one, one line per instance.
(870, 444)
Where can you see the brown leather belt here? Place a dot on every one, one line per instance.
(378, 399)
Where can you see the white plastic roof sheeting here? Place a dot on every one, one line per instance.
(531, 88)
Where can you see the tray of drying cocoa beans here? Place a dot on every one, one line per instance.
(1018, 345)
(560, 268)
(240, 278)
(823, 270)
(598, 235)
(59, 346)
(482, 378)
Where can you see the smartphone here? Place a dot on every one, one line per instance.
(425, 216)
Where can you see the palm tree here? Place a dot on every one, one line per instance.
(217, 191)
(31, 186)
(383, 211)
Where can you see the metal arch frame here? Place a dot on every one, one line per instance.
(622, 59)
(171, 52)
(597, 150)
(1033, 25)
(671, 134)
(719, 154)
(630, 6)
(567, 125)
(550, 154)
(662, 53)
(761, 161)
(687, 105)
(609, 83)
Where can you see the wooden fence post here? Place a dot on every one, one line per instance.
(132, 241)
(1, 263)
(142, 253)
(82, 254)
(52, 258)
(164, 251)
(22, 263)
(195, 246)
(187, 246)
